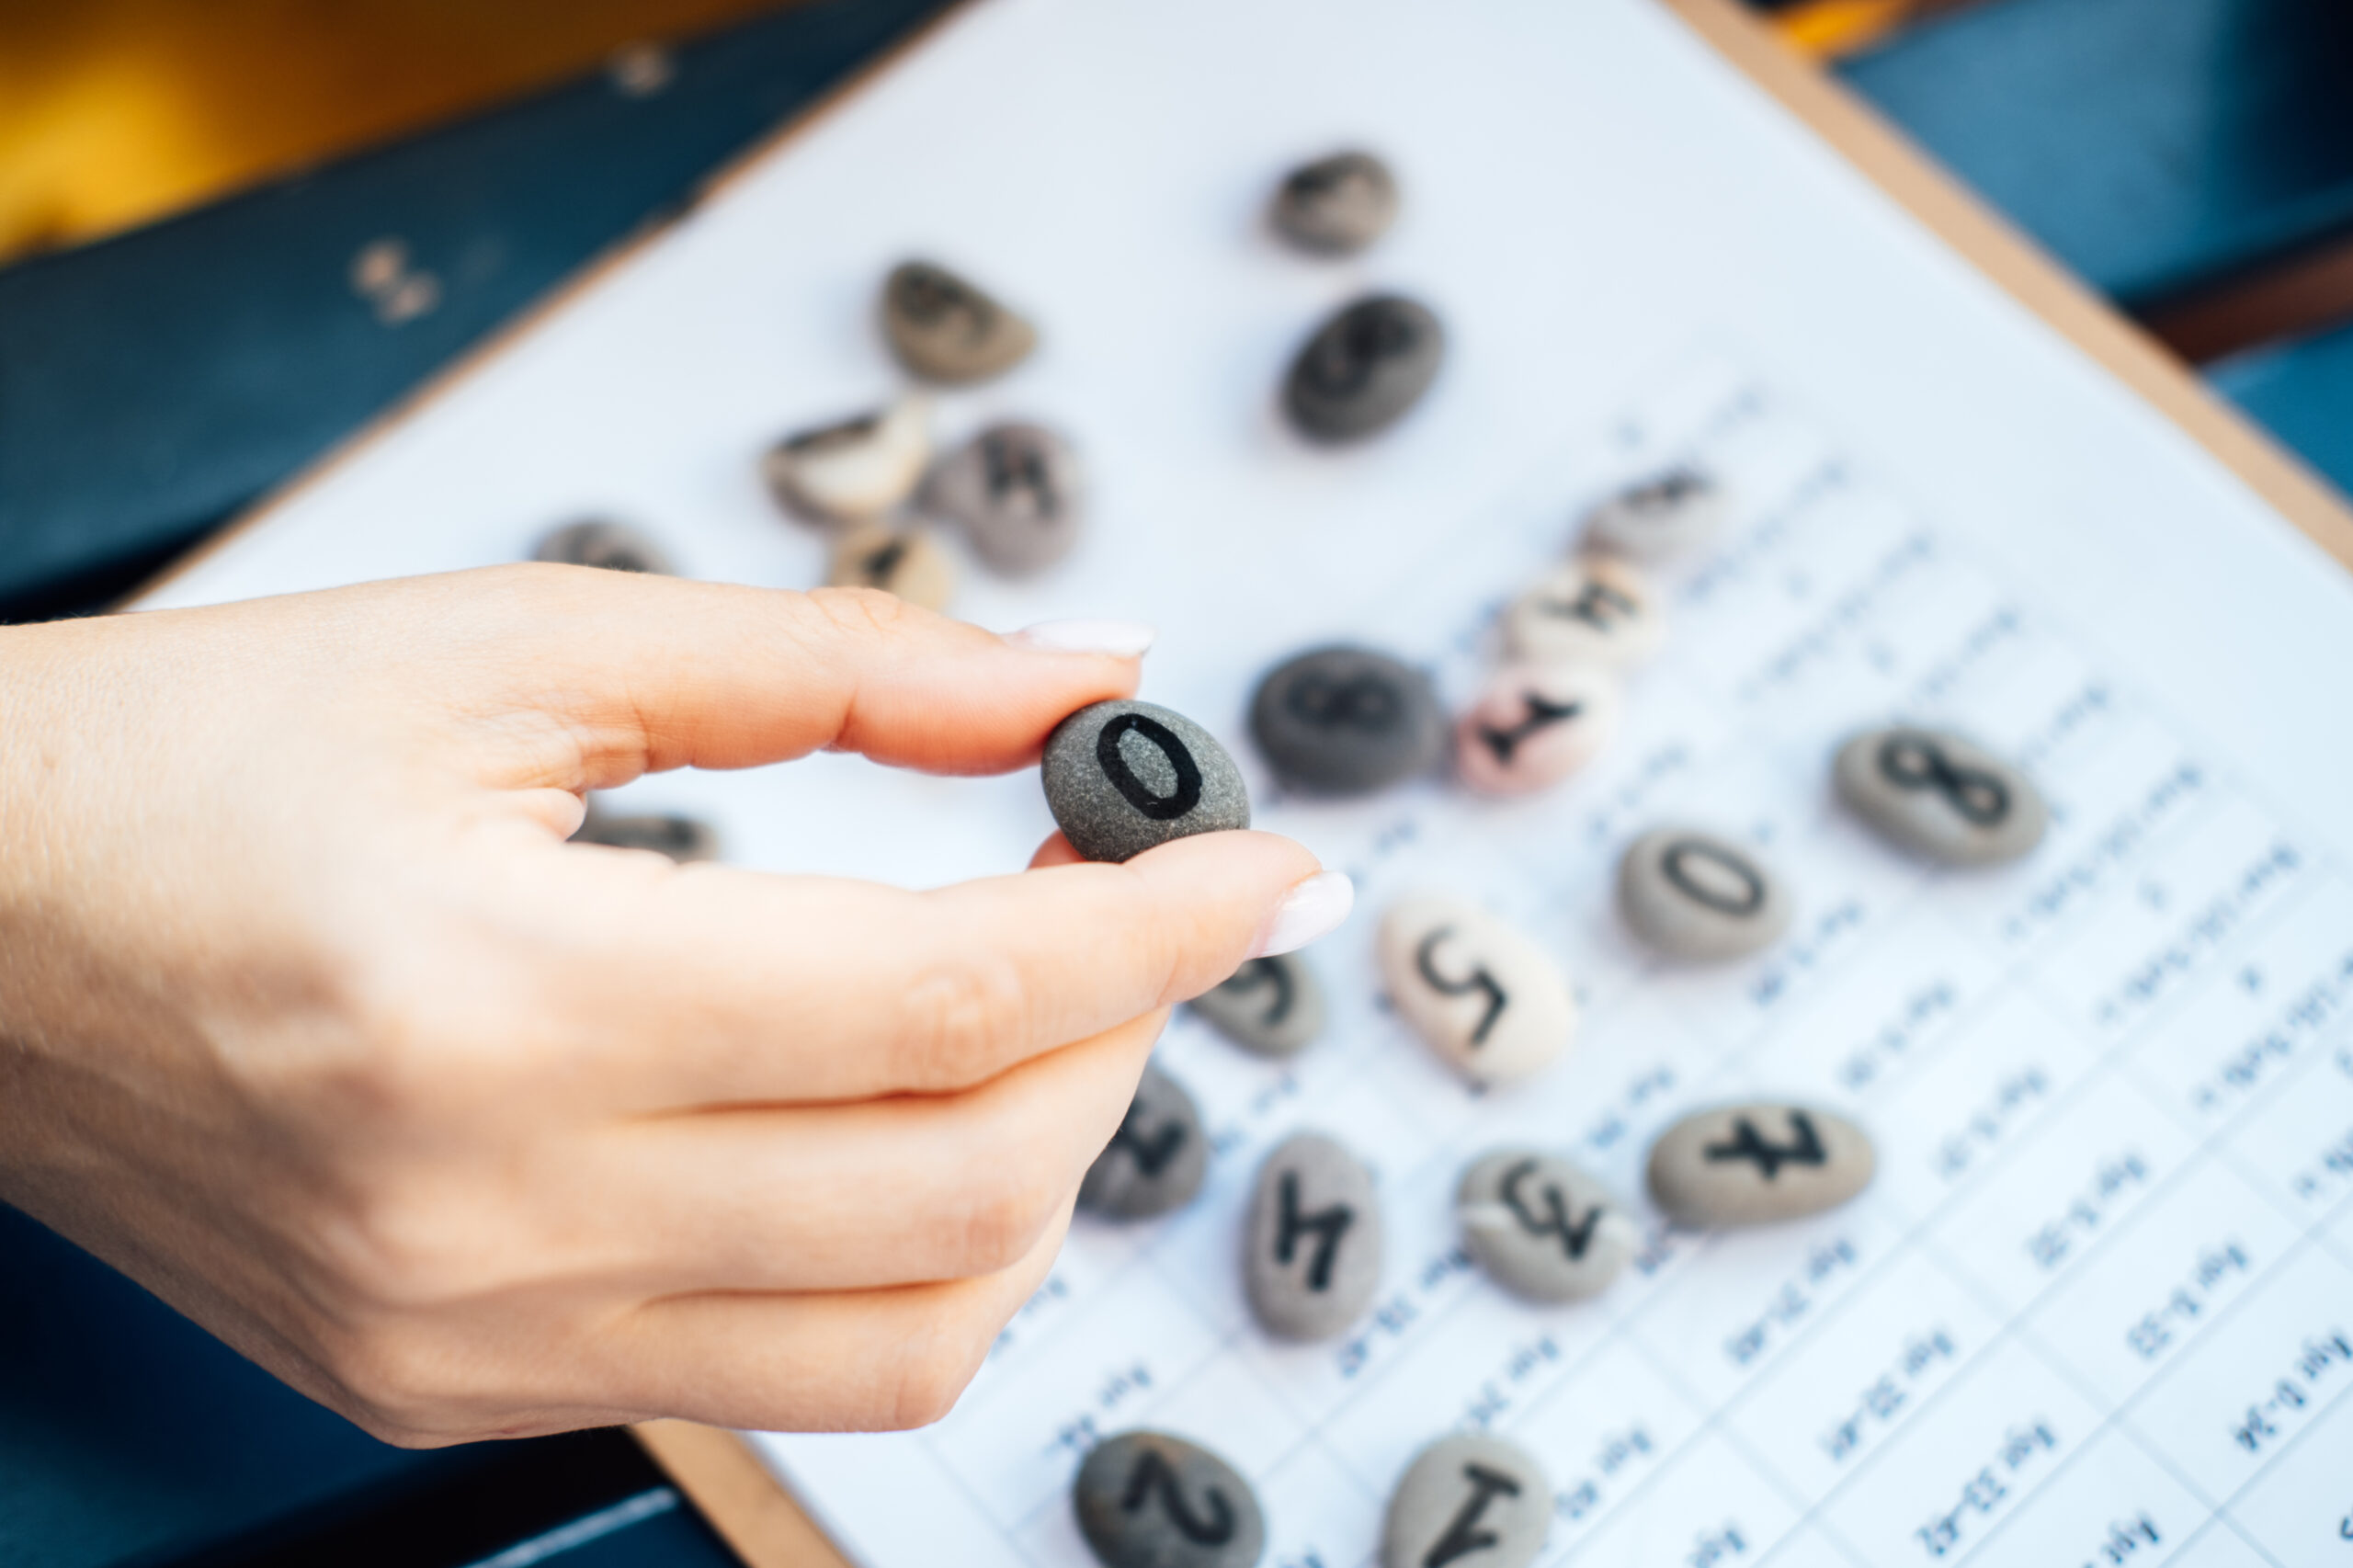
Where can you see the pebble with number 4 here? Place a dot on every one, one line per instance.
(1484, 997)
(1751, 1164)
(1312, 1245)
(1124, 777)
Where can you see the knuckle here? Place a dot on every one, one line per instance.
(860, 611)
(393, 1379)
(959, 1013)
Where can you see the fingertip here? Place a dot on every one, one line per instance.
(1055, 851)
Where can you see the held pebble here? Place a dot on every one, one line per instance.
(1484, 997)
(1535, 724)
(615, 547)
(683, 839)
(1016, 491)
(1671, 514)
(1123, 777)
(1542, 1228)
(1692, 894)
(1364, 367)
(907, 563)
(1749, 1164)
(1474, 1500)
(1343, 720)
(1156, 1161)
(1336, 206)
(1595, 610)
(1940, 795)
(854, 470)
(1313, 1259)
(947, 329)
(1270, 1007)
(1151, 1500)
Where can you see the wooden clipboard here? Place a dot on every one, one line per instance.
(738, 1493)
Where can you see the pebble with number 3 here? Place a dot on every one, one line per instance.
(1484, 995)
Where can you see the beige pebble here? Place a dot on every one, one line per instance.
(1482, 994)
(907, 563)
(1749, 1164)
(855, 470)
(1535, 724)
(1596, 609)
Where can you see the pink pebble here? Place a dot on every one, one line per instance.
(1534, 725)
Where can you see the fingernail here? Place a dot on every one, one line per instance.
(1120, 638)
(1314, 908)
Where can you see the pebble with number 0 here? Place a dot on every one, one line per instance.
(1542, 1228)
(1312, 1257)
(1484, 997)
(1270, 1007)
(1940, 795)
(1693, 894)
(1669, 514)
(1470, 1500)
(1151, 1500)
(1124, 777)
(1156, 1161)
(1535, 724)
(1750, 1164)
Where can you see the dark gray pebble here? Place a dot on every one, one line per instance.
(947, 329)
(1123, 777)
(1271, 1007)
(1694, 894)
(1940, 795)
(1343, 720)
(1151, 1500)
(1364, 367)
(1474, 1500)
(1156, 1161)
(1336, 206)
(1016, 492)
(683, 839)
(616, 546)
(1312, 1255)
(1542, 1228)
(1747, 1164)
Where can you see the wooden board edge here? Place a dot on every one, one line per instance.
(739, 1495)
(1916, 182)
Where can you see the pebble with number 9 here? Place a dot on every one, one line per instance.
(1124, 777)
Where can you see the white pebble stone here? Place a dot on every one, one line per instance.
(854, 470)
(1595, 609)
(1485, 997)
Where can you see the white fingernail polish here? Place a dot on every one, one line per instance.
(1314, 908)
(1120, 638)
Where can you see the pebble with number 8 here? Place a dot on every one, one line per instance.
(1939, 795)
(1124, 777)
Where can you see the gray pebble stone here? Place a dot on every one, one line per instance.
(1478, 1502)
(1156, 1161)
(1270, 1007)
(1671, 514)
(1482, 994)
(616, 546)
(1747, 1164)
(1151, 1500)
(905, 563)
(1694, 894)
(1336, 206)
(1595, 610)
(1940, 795)
(683, 839)
(947, 329)
(1312, 1250)
(1364, 367)
(1542, 1228)
(1018, 493)
(1343, 720)
(855, 469)
(1123, 777)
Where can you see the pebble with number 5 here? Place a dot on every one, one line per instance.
(1484, 995)
(1121, 778)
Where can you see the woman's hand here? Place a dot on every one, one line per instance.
(312, 1021)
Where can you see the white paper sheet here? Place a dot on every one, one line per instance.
(2093, 1309)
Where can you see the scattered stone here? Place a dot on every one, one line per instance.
(1364, 367)
(1596, 609)
(1542, 1228)
(1534, 725)
(1156, 1161)
(616, 546)
(1484, 997)
(945, 329)
(1343, 720)
(1692, 894)
(905, 562)
(1749, 1164)
(1150, 1500)
(854, 470)
(1940, 795)
(683, 839)
(1673, 514)
(1016, 491)
(1123, 777)
(1336, 205)
(1313, 1258)
(1474, 1500)
(1270, 1007)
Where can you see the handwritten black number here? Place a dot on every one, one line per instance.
(1151, 1476)
(929, 297)
(1675, 865)
(1425, 960)
(1259, 974)
(1916, 762)
(877, 566)
(1748, 1143)
(1598, 605)
(1360, 702)
(1541, 713)
(1463, 1535)
(1159, 808)
(1554, 1220)
(1345, 357)
(1015, 465)
(1151, 1155)
(1329, 1226)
